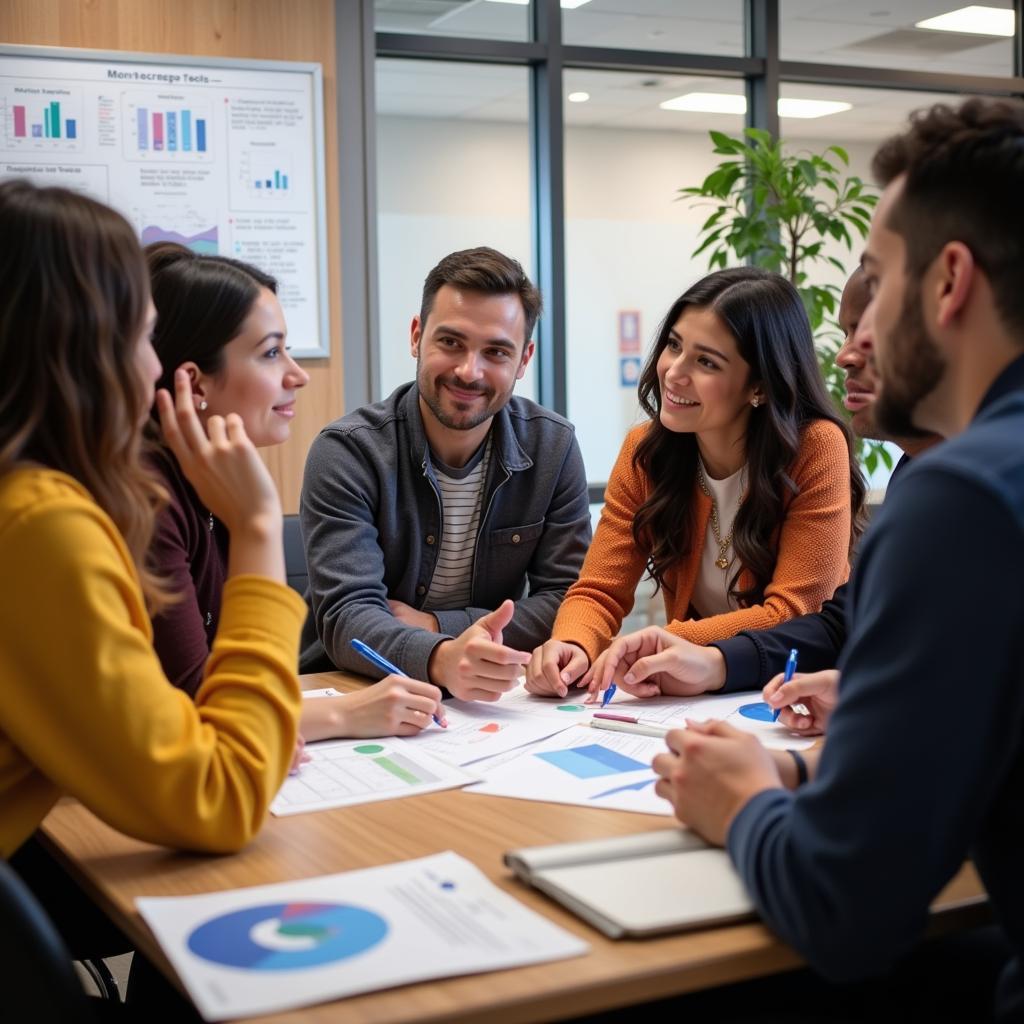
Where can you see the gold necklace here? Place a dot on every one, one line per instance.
(723, 545)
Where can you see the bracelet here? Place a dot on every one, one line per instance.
(801, 766)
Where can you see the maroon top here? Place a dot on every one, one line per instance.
(190, 551)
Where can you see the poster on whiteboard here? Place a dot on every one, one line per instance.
(224, 156)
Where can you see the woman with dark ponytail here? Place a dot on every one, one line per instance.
(740, 497)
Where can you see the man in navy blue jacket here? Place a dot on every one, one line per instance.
(924, 761)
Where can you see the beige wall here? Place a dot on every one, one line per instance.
(301, 30)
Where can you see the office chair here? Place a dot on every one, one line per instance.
(295, 556)
(39, 983)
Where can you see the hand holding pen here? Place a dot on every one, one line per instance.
(385, 666)
(818, 692)
(787, 677)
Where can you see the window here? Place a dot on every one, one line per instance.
(674, 26)
(452, 173)
(888, 35)
(628, 239)
(480, 19)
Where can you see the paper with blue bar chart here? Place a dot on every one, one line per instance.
(341, 773)
(583, 766)
(276, 947)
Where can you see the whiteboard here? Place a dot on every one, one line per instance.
(225, 156)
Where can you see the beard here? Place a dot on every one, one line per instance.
(454, 414)
(912, 371)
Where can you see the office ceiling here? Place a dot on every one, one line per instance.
(875, 33)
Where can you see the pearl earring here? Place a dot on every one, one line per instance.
(202, 405)
(755, 401)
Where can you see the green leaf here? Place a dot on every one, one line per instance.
(808, 172)
(714, 218)
(839, 152)
(723, 143)
(710, 240)
(760, 136)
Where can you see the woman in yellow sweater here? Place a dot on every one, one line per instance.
(740, 496)
(87, 710)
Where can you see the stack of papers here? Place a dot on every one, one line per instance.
(524, 747)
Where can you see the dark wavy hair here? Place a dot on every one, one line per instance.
(72, 306)
(201, 303)
(765, 316)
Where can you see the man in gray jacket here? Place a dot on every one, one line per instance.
(444, 524)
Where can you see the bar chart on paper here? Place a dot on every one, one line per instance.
(156, 127)
(585, 767)
(266, 172)
(591, 761)
(345, 772)
(43, 120)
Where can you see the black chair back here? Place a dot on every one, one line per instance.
(39, 983)
(295, 556)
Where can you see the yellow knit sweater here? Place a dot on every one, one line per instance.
(86, 708)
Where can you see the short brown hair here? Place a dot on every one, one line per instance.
(963, 168)
(483, 270)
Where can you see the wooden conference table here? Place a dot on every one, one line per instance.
(114, 869)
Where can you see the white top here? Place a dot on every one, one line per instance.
(462, 495)
(711, 591)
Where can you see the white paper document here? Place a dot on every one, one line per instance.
(345, 772)
(325, 691)
(276, 947)
(478, 729)
(745, 711)
(583, 766)
(570, 707)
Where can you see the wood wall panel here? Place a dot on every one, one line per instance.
(300, 30)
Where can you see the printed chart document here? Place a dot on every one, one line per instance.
(345, 772)
(478, 729)
(582, 766)
(277, 947)
(570, 707)
(639, 885)
(745, 711)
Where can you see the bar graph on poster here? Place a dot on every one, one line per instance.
(223, 156)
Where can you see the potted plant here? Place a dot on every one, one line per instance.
(779, 210)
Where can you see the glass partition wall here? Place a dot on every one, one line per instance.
(561, 133)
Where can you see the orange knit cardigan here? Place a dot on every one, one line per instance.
(812, 556)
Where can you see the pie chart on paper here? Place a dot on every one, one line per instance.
(287, 936)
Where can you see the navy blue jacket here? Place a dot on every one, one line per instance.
(924, 763)
(754, 656)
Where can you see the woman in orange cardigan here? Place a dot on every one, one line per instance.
(740, 497)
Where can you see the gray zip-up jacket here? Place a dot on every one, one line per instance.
(372, 521)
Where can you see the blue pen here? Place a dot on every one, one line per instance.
(608, 694)
(384, 665)
(787, 676)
